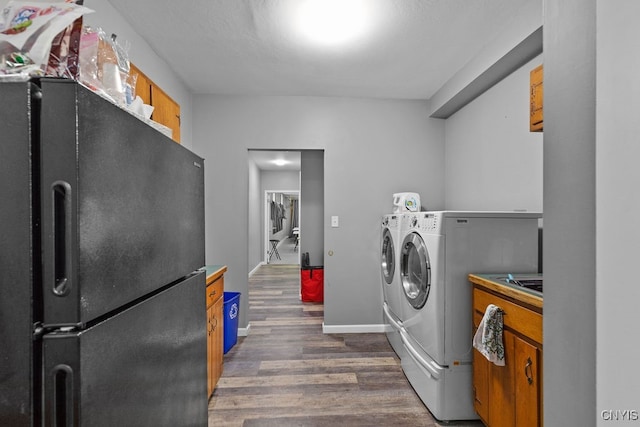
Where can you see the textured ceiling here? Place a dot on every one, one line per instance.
(408, 49)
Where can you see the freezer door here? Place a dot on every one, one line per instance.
(17, 250)
(146, 366)
(122, 206)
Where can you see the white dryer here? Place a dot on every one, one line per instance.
(436, 256)
(390, 277)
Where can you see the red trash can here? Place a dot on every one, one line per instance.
(312, 284)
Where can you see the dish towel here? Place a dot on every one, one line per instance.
(488, 337)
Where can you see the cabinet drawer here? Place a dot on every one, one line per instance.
(215, 290)
(516, 318)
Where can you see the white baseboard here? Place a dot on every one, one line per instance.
(353, 329)
(252, 272)
(243, 332)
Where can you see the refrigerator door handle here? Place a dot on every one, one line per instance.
(61, 411)
(62, 237)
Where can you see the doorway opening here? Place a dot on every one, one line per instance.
(285, 221)
(274, 184)
(285, 172)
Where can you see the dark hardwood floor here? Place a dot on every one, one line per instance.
(286, 372)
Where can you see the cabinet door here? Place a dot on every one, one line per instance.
(527, 384)
(165, 111)
(143, 85)
(481, 370)
(217, 342)
(537, 96)
(211, 330)
(501, 386)
(215, 331)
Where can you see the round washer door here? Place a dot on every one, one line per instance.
(415, 270)
(388, 257)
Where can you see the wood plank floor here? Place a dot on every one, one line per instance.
(286, 372)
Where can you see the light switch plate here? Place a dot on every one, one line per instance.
(335, 221)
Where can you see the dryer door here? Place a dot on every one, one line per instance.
(388, 259)
(415, 270)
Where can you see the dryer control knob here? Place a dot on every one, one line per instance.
(414, 221)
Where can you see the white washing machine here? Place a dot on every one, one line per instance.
(395, 300)
(408, 225)
(438, 251)
(390, 277)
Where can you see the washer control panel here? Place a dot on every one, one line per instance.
(430, 222)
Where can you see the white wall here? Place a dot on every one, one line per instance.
(373, 148)
(279, 181)
(493, 162)
(617, 202)
(570, 215)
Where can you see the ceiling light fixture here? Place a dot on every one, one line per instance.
(280, 162)
(332, 22)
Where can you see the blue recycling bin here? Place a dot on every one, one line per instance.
(231, 308)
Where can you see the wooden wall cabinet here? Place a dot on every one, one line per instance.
(510, 395)
(215, 327)
(536, 100)
(165, 110)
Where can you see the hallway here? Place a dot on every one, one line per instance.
(286, 372)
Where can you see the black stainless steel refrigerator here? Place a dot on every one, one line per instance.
(102, 303)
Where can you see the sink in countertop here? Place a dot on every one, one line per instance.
(531, 282)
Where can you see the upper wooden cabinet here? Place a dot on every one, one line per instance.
(536, 97)
(165, 110)
(143, 84)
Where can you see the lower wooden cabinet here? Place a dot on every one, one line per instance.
(510, 395)
(215, 327)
